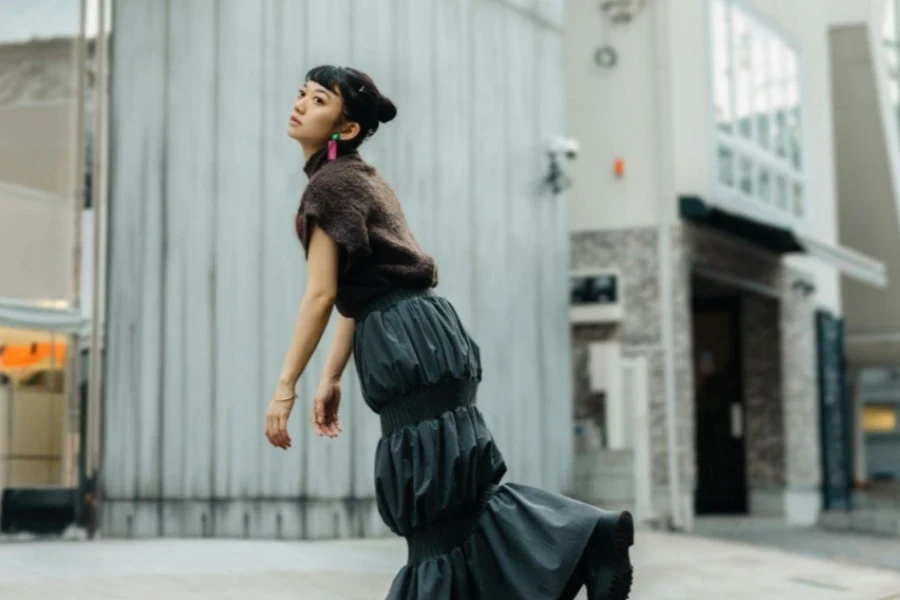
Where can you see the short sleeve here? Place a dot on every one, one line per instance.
(343, 219)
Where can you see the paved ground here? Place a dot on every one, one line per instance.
(873, 551)
(669, 567)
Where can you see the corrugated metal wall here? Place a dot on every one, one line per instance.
(206, 275)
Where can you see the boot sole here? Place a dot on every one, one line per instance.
(618, 572)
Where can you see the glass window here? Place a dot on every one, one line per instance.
(726, 166)
(892, 48)
(777, 94)
(781, 192)
(721, 64)
(879, 418)
(758, 112)
(891, 43)
(798, 200)
(40, 101)
(764, 185)
(794, 125)
(779, 132)
(761, 86)
(746, 177)
(743, 74)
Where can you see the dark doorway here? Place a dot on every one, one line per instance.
(719, 407)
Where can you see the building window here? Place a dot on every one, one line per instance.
(891, 37)
(758, 118)
(879, 418)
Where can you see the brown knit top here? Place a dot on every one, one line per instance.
(350, 201)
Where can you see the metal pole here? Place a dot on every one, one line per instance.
(73, 379)
(78, 167)
(98, 189)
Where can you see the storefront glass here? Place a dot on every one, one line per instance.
(44, 113)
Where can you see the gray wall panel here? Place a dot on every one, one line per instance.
(522, 264)
(206, 274)
(149, 187)
(372, 51)
(489, 192)
(552, 232)
(455, 141)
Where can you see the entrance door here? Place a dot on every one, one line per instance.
(721, 460)
(834, 414)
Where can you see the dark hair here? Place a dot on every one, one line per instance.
(363, 103)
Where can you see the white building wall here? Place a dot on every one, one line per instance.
(611, 111)
(654, 109)
(852, 12)
(690, 85)
(868, 173)
(616, 113)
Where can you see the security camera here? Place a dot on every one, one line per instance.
(565, 146)
(560, 147)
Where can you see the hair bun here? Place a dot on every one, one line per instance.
(386, 109)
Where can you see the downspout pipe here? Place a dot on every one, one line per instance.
(666, 198)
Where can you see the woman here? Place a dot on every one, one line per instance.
(437, 470)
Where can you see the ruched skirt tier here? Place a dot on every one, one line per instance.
(438, 471)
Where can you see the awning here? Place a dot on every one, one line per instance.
(783, 240)
(849, 262)
(24, 315)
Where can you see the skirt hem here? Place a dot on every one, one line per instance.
(527, 544)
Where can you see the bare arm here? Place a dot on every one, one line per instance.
(341, 349)
(315, 309)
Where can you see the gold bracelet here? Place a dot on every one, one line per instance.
(294, 397)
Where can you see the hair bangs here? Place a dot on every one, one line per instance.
(329, 77)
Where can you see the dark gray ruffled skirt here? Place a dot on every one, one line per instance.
(438, 471)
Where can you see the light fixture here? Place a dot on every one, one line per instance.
(623, 11)
(804, 287)
(56, 304)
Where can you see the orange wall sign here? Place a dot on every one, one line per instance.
(26, 355)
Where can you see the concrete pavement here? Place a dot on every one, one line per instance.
(871, 550)
(668, 567)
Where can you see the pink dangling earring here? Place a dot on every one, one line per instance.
(332, 147)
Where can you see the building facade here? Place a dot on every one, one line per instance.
(865, 49)
(708, 192)
(40, 223)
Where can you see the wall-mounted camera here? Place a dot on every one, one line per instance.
(623, 11)
(566, 147)
(561, 148)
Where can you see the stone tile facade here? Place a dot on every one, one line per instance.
(763, 405)
(635, 253)
(781, 420)
(803, 468)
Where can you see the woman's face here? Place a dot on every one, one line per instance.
(316, 116)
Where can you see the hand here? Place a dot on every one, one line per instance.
(325, 409)
(277, 416)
